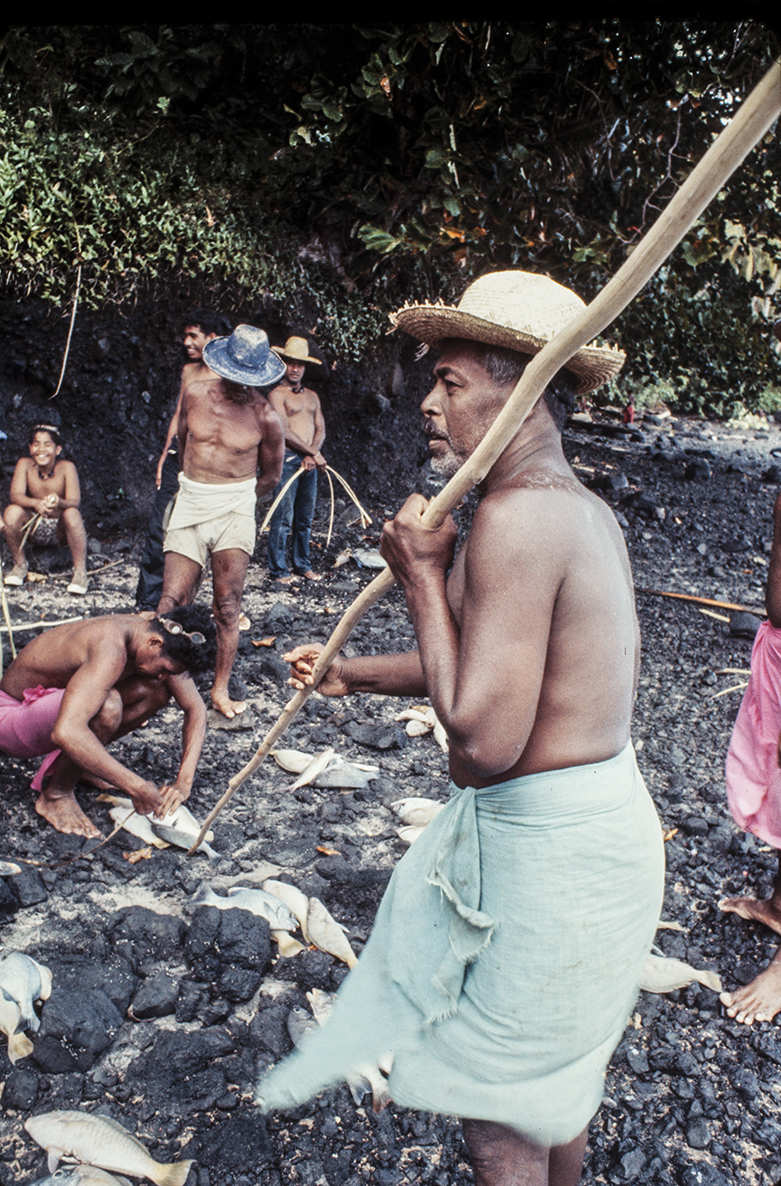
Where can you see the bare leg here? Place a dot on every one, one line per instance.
(767, 911)
(15, 519)
(502, 1157)
(181, 577)
(72, 526)
(56, 802)
(229, 570)
(566, 1161)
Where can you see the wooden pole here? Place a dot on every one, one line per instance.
(748, 126)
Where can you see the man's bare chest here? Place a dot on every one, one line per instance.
(226, 425)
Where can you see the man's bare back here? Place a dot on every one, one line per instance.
(116, 672)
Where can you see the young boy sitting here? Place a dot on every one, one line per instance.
(46, 488)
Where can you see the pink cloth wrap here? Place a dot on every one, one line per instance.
(26, 727)
(752, 770)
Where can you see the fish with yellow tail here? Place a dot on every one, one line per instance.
(102, 1142)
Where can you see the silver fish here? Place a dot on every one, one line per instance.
(299, 1024)
(137, 825)
(294, 898)
(19, 1046)
(256, 901)
(663, 974)
(324, 931)
(368, 558)
(81, 1175)
(416, 811)
(25, 980)
(181, 829)
(102, 1142)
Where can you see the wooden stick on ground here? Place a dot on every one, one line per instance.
(43, 625)
(746, 609)
(751, 122)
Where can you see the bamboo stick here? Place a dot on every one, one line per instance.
(751, 122)
(331, 515)
(279, 498)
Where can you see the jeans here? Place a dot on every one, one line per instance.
(150, 574)
(296, 509)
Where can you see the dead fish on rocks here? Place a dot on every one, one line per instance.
(25, 981)
(422, 719)
(324, 931)
(19, 1046)
(368, 558)
(409, 834)
(662, 974)
(337, 772)
(102, 1142)
(299, 1023)
(9, 869)
(182, 829)
(81, 1175)
(257, 901)
(296, 901)
(416, 810)
(137, 825)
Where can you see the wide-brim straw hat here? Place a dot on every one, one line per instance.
(518, 310)
(245, 357)
(296, 350)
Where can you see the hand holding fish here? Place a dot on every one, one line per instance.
(409, 547)
(173, 795)
(302, 660)
(147, 799)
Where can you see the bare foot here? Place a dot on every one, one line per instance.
(758, 910)
(758, 1001)
(229, 708)
(311, 575)
(288, 580)
(65, 815)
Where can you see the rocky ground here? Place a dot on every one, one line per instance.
(162, 1013)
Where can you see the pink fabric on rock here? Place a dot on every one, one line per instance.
(752, 770)
(26, 726)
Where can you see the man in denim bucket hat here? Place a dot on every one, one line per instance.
(231, 444)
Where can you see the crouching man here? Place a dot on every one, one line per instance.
(77, 687)
(506, 953)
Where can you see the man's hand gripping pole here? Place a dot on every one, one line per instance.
(748, 126)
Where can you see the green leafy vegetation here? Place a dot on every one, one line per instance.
(349, 168)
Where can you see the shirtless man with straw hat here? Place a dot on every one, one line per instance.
(506, 953)
(298, 407)
(231, 443)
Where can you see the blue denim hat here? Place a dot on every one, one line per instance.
(244, 357)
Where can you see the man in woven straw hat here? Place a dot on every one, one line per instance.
(227, 433)
(507, 950)
(298, 407)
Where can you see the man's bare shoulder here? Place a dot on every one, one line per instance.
(201, 388)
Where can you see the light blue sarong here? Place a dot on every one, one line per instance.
(505, 957)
